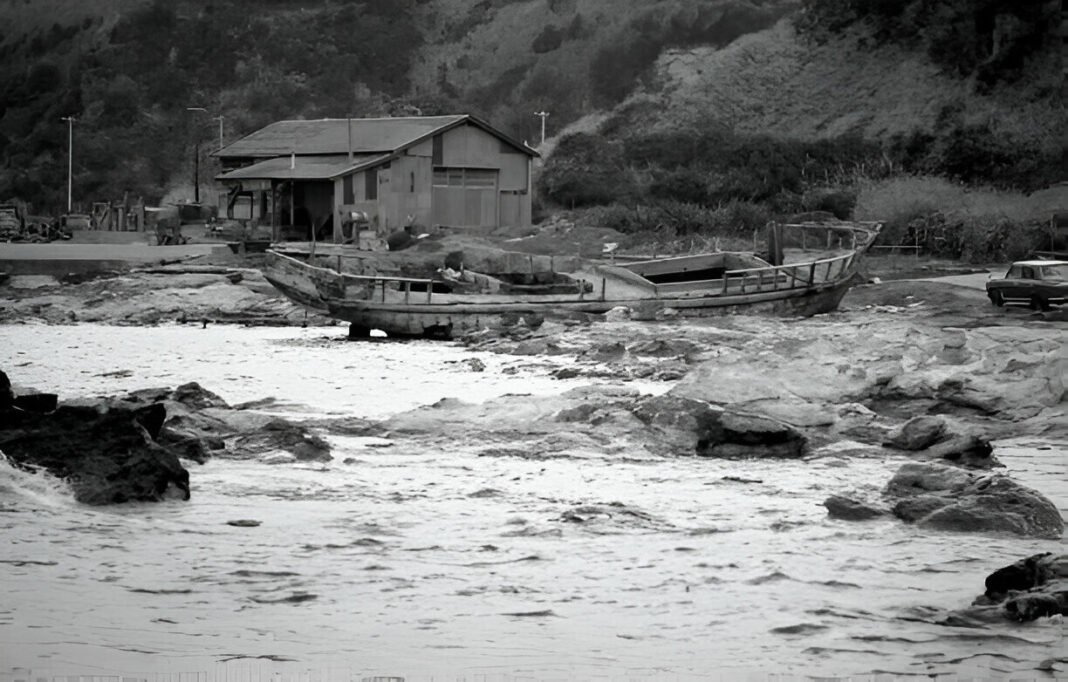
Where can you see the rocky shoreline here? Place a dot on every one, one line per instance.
(137, 447)
(148, 295)
(921, 371)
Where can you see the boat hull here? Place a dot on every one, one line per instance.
(699, 285)
(445, 320)
(298, 281)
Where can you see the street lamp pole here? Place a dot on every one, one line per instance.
(219, 118)
(196, 158)
(70, 162)
(544, 115)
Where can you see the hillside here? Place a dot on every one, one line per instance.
(776, 82)
(129, 69)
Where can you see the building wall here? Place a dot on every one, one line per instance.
(406, 199)
(471, 147)
(355, 199)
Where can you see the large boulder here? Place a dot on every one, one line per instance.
(948, 498)
(848, 508)
(718, 432)
(200, 424)
(918, 433)
(108, 454)
(1012, 372)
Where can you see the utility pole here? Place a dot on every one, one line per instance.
(196, 157)
(70, 162)
(544, 115)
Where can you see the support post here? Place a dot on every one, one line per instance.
(70, 162)
(196, 172)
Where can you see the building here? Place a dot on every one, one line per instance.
(319, 178)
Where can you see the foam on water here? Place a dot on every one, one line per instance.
(23, 489)
(447, 563)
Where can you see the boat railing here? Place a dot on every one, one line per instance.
(377, 285)
(768, 278)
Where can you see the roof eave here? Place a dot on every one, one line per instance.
(364, 165)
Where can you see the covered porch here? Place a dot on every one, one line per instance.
(297, 198)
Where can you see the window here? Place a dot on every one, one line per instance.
(347, 191)
(438, 151)
(483, 179)
(1057, 272)
(1014, 272)
(370, 184)
(474, 178)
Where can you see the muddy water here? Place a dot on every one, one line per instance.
(446, 565)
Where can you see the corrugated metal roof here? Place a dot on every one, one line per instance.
(304, 167)
(331, 136)
(369, 136)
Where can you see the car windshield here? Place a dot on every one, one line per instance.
(1055, 272)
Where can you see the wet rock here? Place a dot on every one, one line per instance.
(195, 396)
(273, 458)
(7, 396)
(108, 453)
(850, 509)
(1025, 574)
(664, 348)
(947, 498)
(918, 433)
(969, 450)
(280, 434)
(608, 352)
(1031, 588)
(237, 434)
(579, 413)
(614, 516)
(531, 347)
(718, 432)
(936, 438)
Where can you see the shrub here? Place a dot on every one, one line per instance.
(548, 40)
(585, 170)
(975, 239)
(683, 185)
(961, 36)
(681, 219)
(840, 203)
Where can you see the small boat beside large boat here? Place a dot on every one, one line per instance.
(455, 303)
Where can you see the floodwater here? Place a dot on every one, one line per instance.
(444, 565)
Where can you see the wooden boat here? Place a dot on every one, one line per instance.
(719, 283)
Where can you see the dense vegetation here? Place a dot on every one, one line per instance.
(992, 39)
(130, 78)
(131, 90)
(709, 178)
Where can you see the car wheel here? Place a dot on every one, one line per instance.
(1039, 303)
(997, 298)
